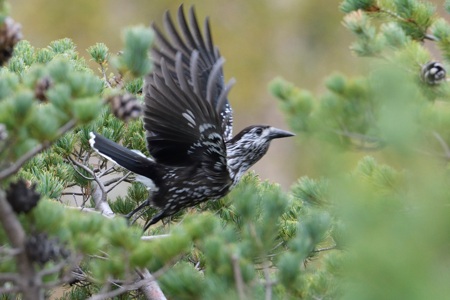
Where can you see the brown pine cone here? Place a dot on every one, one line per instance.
(10, 35)
(42, 85)
(125, 107)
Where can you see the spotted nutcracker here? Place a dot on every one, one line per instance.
(188, 122)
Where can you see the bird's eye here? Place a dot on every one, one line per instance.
(258, 131)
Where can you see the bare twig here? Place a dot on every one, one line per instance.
(106, 287)
(324, 249)
(432, 154)
(359, 136)
(374, 142)
(269, 282)
(83, 209)
(85, 196)
(67, 276)
(238, 276)
(106, 172)
(16, 166)
(55, 269)
(105, 78)
(79, 173)
(154, 237)
(86, 158)
(94, 177)
(426, 36)
(128, 287)
(12, 169)
(118, 182)
(72, 193)
(98, 192)
(112, 180)
(443, 144)
(430, 37)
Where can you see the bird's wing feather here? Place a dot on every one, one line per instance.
(182, 128)
(198, 63)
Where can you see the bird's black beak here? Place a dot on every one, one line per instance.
(276, 133)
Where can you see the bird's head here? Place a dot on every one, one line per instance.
(250, 145)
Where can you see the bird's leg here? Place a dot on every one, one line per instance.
(134, 211)
(160, 215)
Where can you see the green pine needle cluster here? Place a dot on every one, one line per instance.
(135, 55)
(72, 94)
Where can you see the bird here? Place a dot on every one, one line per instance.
(188, 123)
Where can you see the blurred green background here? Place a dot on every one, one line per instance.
(300, 40)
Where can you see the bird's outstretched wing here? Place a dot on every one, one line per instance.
(187, 115)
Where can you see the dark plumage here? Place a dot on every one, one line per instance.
(188, 122)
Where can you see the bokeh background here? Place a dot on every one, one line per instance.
(300, 40)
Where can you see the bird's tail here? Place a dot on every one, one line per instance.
(133, 161)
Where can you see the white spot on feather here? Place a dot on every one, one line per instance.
(206, 126)
(188, 115)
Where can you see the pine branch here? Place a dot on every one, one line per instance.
(9, 277)
(94, 177)
(238, 277)
(105, 78)
(14, 168)
(99, 193)
(268, 283)
(147, 282)
(99, 197)
(119, 181)
(107, 171)
(66, 277)
(151, 290)
(8, 251)
(29, 283)
(72, 193)
(431, 37)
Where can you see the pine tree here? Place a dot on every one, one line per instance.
(389, 216)
(376, 228)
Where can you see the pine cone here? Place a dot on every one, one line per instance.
(42, 85)
(125, 107)
(41, 249)
(10, 35)
(433, 73)
(21, 197)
